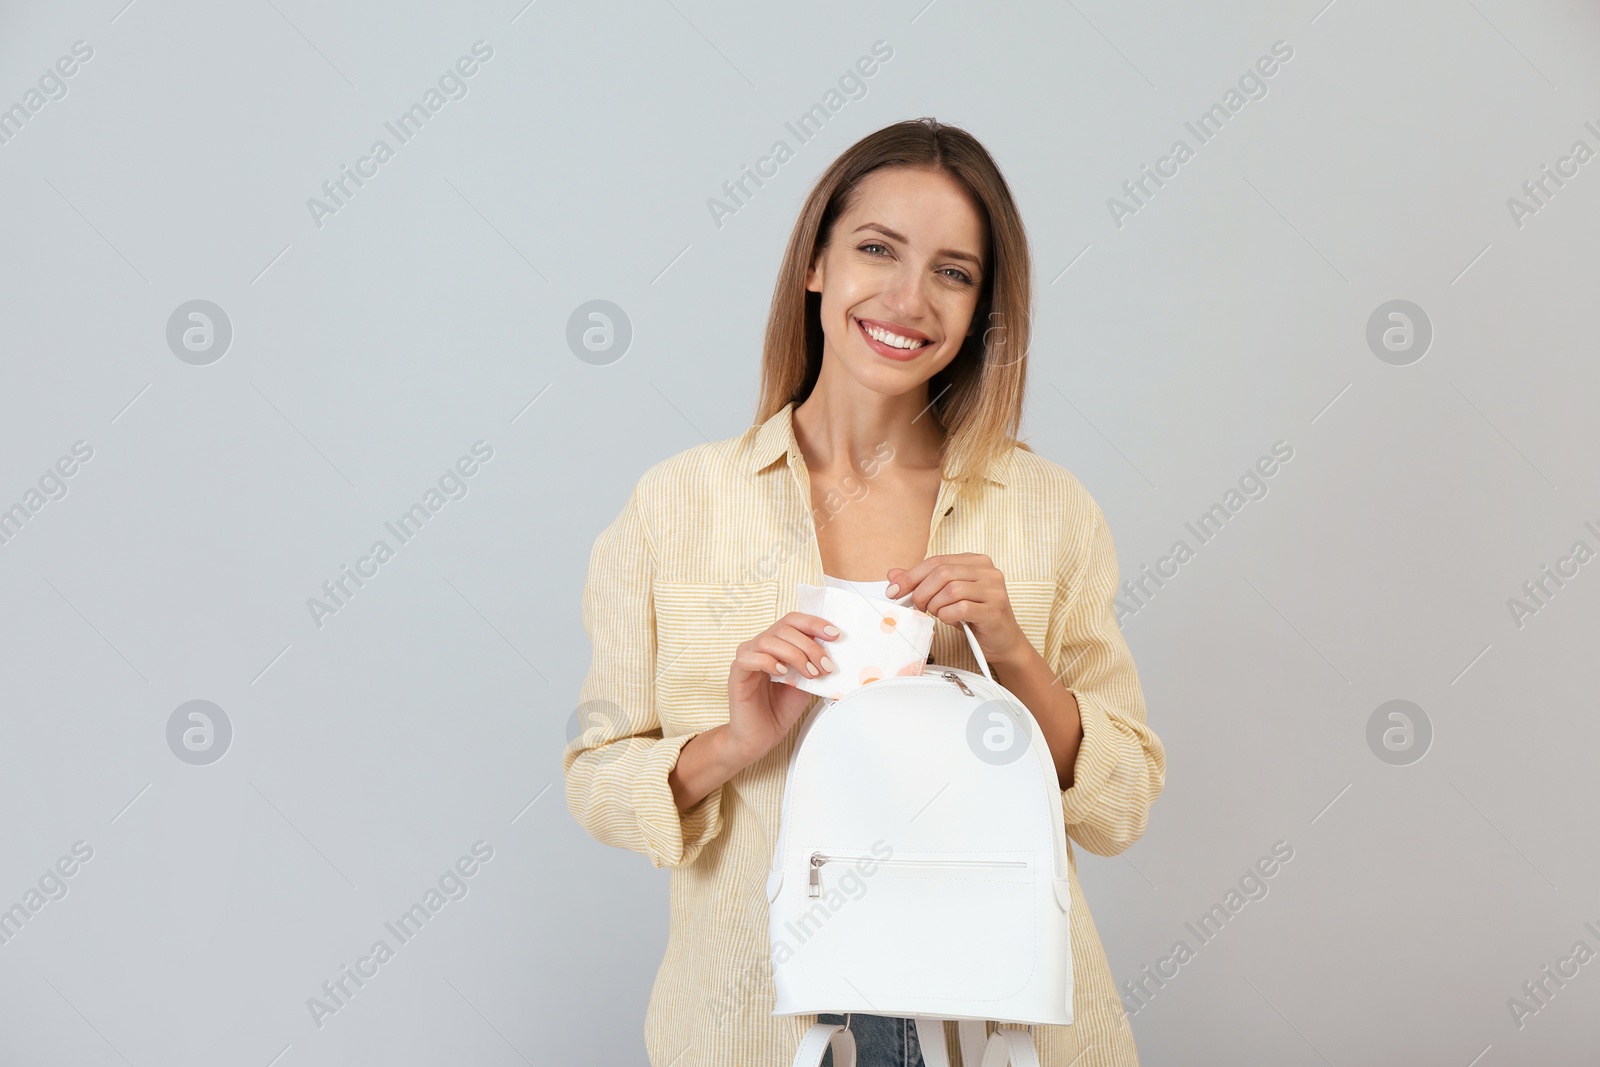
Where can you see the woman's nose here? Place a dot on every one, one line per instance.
(906, 296)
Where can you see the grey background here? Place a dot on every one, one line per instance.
(431, 312)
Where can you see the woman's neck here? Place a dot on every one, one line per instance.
(834, 427)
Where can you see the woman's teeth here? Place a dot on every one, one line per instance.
(891, 338)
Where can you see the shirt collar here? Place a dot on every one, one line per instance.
(775, 438)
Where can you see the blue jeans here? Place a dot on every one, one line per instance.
(881, 1040)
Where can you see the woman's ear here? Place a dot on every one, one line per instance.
(814, 273)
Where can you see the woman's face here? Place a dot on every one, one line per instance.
(908, 259)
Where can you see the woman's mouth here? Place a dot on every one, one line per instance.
(891, 344)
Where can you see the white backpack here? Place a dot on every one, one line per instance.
(921, 869)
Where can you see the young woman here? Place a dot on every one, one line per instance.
(883, 455)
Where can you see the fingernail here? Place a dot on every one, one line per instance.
(783, 668)
(831, 631)
(827, 664)
(893, 591)
(811, 668)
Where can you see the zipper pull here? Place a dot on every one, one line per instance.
(817, 860)
(952, 676)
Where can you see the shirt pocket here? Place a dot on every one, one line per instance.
(699, 626)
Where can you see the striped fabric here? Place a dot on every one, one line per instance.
(705, 554)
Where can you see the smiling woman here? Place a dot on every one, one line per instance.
(906, 245)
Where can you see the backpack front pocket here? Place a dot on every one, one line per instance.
(957, 926)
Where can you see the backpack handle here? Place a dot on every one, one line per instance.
(822, 1037)
(977, 652)
(1003, 1048)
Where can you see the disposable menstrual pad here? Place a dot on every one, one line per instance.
(878, 639)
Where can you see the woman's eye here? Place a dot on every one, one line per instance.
(955, 274)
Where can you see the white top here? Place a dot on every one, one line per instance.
(873, 589)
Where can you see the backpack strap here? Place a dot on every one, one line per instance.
(820, 1038)
(973, 1032)
(1013, 1047)
(977, 654)
(930, 1038)
(1003, 1048)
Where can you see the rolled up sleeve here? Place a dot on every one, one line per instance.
(1121, 765)
(616, 768)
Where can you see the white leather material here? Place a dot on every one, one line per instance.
(1008, 1048)
(817, 1041)
(974, 1038)
(942, 888)
(977, 652)
(930, 1039)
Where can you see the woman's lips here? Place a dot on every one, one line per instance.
(889, 351)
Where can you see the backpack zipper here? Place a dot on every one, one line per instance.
(819, 858)
(952, 676)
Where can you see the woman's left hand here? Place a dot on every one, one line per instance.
(964, 587)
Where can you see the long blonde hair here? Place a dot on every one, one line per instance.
(978, 397)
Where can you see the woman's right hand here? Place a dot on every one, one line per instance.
(761, 710)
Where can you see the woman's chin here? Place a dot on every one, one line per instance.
(889, 378)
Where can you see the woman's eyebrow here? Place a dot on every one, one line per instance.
(943, 253)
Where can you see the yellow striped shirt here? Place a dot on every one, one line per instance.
(705, 554)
